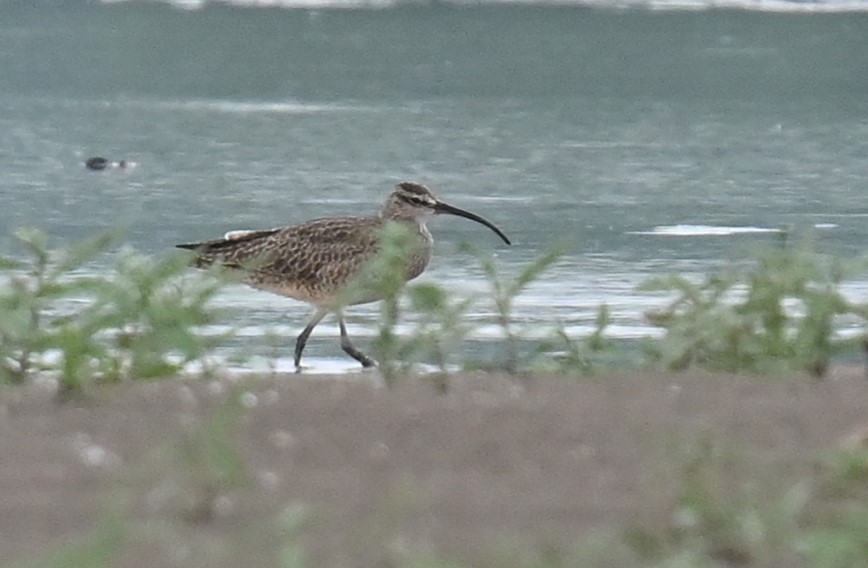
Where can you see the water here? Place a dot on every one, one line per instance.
(650, 140)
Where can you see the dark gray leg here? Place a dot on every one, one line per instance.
(350, 349)
(302, 339)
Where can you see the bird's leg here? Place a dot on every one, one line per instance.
(350, 349)
(302, 338)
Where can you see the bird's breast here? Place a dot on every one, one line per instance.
(421, 255)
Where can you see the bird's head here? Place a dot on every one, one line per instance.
(414, 201)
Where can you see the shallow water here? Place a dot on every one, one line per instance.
(649, 141)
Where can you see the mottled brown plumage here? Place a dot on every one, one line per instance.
(314, 261)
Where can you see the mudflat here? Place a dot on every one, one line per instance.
(340, 471)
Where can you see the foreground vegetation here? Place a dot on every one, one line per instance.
(778, 311)
(139, 321)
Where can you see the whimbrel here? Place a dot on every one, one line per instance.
(313, 262)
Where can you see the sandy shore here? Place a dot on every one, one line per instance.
(367, 473)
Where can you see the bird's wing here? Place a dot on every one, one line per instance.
(234, 250)
(321, 254)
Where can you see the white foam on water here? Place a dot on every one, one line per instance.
(786, 6)
(608, 145)
(248, 107)
(310, 366)
(240, 106)
(686, 230)
(344, 367)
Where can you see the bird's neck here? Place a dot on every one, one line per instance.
(415, 224)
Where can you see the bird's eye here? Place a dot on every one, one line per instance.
(414, 200)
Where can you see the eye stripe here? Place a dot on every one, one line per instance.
(413, 199)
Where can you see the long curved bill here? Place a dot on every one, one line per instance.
(441, 207)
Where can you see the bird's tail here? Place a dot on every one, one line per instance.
(232, 251)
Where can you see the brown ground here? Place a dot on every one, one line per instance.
(378, 475)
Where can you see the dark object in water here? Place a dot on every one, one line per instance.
(96, 163)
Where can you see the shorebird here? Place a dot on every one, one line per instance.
(313, 262)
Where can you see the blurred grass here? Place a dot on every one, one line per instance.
(777, 312)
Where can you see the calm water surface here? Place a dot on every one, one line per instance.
(649, 141)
